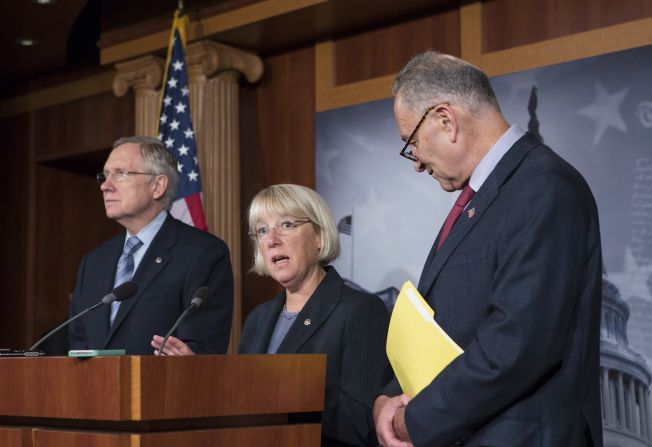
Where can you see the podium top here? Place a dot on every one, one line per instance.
(144, 388)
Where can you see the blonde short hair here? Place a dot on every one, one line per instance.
(297, 201)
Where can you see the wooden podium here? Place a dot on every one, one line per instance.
(129, 401)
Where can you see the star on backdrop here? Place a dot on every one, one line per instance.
(605, 111)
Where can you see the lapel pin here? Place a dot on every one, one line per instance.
(471, 213)
(159, 260)
(307, 322)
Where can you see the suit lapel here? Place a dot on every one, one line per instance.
(426, 265)
(313, 315)
(154, 262)
(479, 204)
(99, 318)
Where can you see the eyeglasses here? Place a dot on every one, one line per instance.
(118, 175)
(411, 141)
(282, 228)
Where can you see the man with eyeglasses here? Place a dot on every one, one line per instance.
(514, 275)
(167, 259)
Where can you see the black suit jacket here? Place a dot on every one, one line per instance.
(351, 328)
(179, 260)
(518, 285)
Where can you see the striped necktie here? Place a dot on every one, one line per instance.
(125, 269)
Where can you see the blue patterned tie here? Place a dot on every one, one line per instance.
(125, 268)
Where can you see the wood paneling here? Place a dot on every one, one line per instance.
(15, 437)
(57, 93)
(576, 46)
(511, 23)
(135, 392)
(277, 128)
(385, 51)
(82, 126)
(271, 436)
(70, 222)
(163, 401)
(268, 26)
(14, 181)
(56, 438)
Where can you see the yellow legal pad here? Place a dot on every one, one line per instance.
(417, 347)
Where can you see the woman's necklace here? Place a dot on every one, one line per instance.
(287, 314)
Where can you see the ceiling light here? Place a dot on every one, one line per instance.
(26, 41)
(43, 2)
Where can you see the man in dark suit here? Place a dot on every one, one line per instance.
(167, 259)
(515, 275)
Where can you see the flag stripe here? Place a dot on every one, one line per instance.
(176, 130)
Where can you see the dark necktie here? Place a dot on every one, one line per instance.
(460, 204)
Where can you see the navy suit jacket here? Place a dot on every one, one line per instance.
(179, 260)
(517, 284)
(349, 326)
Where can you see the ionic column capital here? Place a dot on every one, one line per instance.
(143, 74)
(206, 59)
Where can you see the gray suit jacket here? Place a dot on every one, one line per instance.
(518, 285)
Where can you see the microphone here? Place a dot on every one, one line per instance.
(124, 291)
(202, 294)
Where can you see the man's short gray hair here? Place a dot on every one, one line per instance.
(157, 159)
(432, 78)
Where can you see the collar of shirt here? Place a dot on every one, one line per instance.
(491, 158)
(146, 235)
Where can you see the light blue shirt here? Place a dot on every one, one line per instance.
(146, 236)
(495, 154)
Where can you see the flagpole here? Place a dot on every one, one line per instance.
(177, 24)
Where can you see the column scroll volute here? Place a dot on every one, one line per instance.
(206, 59)
(144, 73)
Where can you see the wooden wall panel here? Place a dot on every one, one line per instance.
(511, 23)
(277, 137)
(384, 51)
(70, 222)
(14, 182)
(83, 126)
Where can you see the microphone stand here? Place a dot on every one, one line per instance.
(193, 304)
(46, 336)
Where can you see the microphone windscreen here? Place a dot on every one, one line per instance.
(200, 295)
(125, 291)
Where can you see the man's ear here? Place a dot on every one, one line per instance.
(160, 186)
(449, 122)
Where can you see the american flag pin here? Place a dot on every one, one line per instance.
(159, 260)
(307, 321)
(471, 213)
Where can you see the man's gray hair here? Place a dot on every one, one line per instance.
(158, 160)
(432, 78)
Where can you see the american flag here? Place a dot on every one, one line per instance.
(176, 132)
